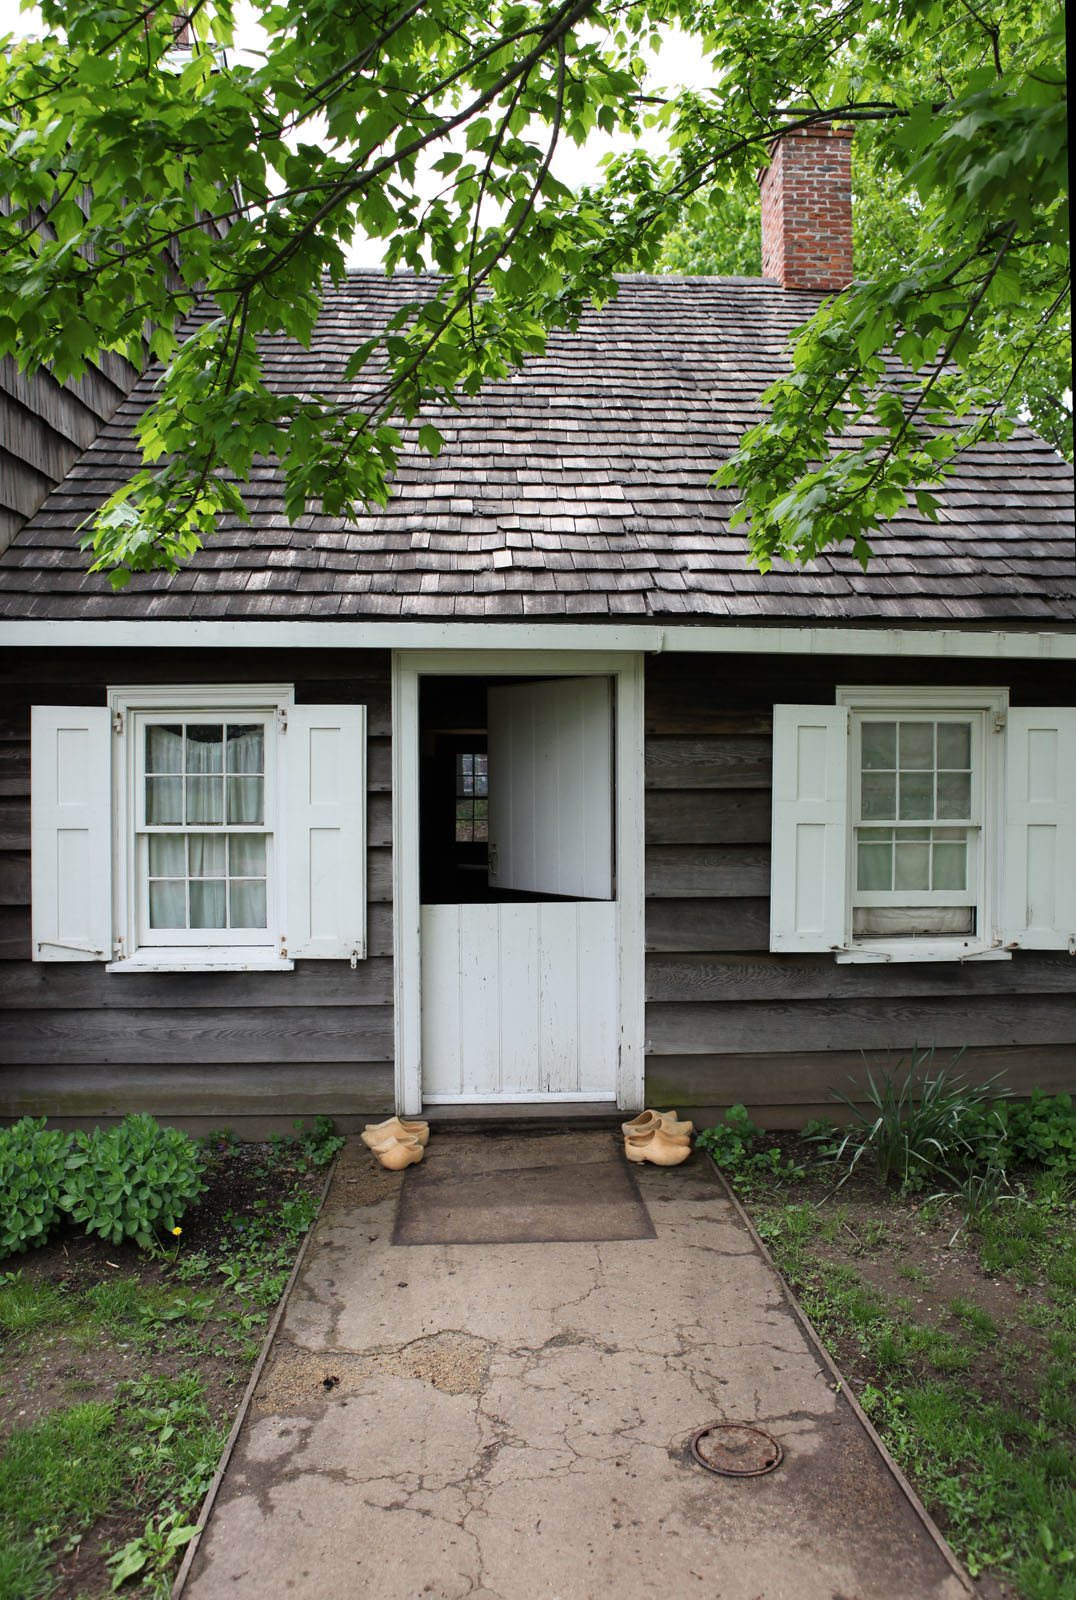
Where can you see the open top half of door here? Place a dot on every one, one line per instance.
(551, 787)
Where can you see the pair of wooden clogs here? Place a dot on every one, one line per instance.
(658, 1136)
(396, 1144)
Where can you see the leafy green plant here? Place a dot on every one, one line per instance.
(916, 1123)
(320, 1145)
(31, 1176)
(151, 1556)
(1042, 1131)
(734, 1147)
(133, 1181)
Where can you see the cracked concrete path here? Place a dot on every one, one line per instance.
(512, 1421)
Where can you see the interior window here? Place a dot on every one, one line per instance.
(472, 797)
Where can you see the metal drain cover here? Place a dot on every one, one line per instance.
(736, 1450)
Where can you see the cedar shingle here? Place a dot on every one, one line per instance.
(591, 467)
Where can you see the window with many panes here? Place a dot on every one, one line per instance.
(917, 823)
(203, 853)
(924, 813)
(472, 797)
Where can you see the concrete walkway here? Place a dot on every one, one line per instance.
(512, 1421)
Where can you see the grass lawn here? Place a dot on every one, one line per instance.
(960, 1344)
(121, 1373)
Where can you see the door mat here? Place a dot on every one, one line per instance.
(588, 1202)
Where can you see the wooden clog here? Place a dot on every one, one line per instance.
(377, 1132)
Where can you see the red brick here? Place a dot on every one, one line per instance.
(806, 197)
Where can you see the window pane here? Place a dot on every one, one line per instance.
(247, 900)
(954, 744)
(875, 870)
(879, 796)
(246, 799)
(916, 744)
(246, 855)
(916, 796)
(167, 855)
(207, 903)
(167, 904)
(879, 743)
(950, 866)
(893, 921)
(954, 794)
(207, 855)
(246, 747)
(481, 775)
(205, 800)
(205, 747)
(164, 748)
(164, 801)
(912, 867)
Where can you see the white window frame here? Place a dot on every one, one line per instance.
(130, 707)
(988, 709)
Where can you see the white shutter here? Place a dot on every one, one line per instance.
(325, 832)
(71, 832)
(810, 828)
(1039, 893)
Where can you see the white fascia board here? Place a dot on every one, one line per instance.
(766, 639)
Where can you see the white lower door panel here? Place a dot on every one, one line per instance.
(519, 1002)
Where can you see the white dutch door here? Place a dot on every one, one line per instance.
(519, 990)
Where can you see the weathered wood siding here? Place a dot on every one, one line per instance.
(76, 1041)
(726, 1021)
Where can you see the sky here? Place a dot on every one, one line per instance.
(679, 62)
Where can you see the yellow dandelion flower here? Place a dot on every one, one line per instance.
(177, 1232)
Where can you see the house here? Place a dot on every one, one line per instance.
(526, 792)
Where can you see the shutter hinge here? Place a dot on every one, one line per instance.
(117, 722)
(69, 944)
(281, 720)
(1072, 944)
(283, 947)
(354, 959)
(117, 949)
(999, 722)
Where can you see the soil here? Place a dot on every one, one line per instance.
(43, 1372)
(882, 1235)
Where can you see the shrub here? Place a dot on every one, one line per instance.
(919, 1123)
(31, 1177)
(133, 1180)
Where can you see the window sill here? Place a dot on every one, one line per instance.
(921, 952)
(171, 959)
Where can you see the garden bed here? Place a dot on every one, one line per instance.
(121, 1372)
(958, 1341)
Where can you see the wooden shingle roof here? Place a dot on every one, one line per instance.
(579, 487)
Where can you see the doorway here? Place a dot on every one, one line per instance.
(518, 816)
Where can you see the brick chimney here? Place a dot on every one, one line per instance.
(806, 194)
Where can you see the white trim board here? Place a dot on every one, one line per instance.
(1057, 644)
(407, 667)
